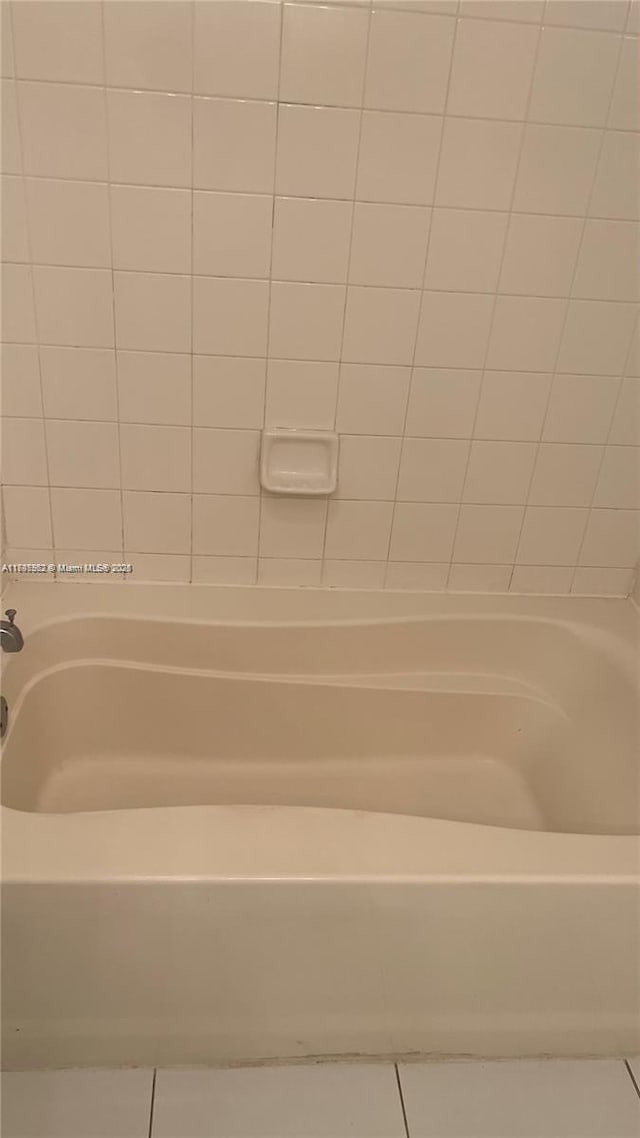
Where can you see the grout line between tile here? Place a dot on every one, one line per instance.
(191, 299)
(153, 1102)
(353, 199)
(270, 282)
(402, 1103)
(113, 293)
(632, 1077)
(33, 296)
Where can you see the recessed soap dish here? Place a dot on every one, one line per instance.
(299, 462)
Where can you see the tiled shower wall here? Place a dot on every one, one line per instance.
(415, 222)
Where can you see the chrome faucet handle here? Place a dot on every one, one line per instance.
(11, 613)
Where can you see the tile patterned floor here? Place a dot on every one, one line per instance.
(526, 1099)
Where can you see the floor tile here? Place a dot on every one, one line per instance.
(309, 1101)
(76, 1104)
(535, 1099)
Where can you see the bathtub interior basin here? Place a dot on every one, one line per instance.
(519, 723)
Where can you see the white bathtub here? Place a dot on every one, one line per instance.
(255, 824)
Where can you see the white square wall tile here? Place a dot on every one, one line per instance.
(540, 255)
(225, 461)
(76, 1104)
(154, 387)
(160, 566)
(544, 1098)
(624, 114)
(487, 535)
(581, 408)
(231, 234)
(311, 240)
(148, 45)
(79, 383)
(18, 316)
(305, 321)
(477, 163)
(86, 519)
(606, 15)
(479, 578)
(358, 530)
(27, 516)
(230, 316)
(603, 582)
(156, 523)
(615, 191)
(556, 169)
(317, 151)
(388, 246)
(15, 244)
(380, 325)
(153, 311)
(224, 570)
(442, 404)
(409, 60)
(574, 77)
(7, 62)
(432, 470)
(58, 42)
(423, 531)
(512, 405)
(228, 392)
(368, 467)
(612, 538)
(24, 460)
(443, 317)
(83, 454)
(619, 479)
(323, 54)
(424, 576)
(149, 138)
(492, 69)
(313, 1100)
(226, 524)
(398, 157)
(372, 400)
(289, 571)
(301, 394)
(11, 142)
(551, 536)
(529, 11)
(291, 528)
(237, 48)
(20, 380)
(499, 472)
(63, 131)
(625, 427)
(234, 145)
(151, 229)
(155, 457)
(68, 222)
(609, 262)
(541, 579)
(353, 574)
(74, 306)
(526, 333)
(596, 338)
(565, 474)
(465, 250)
